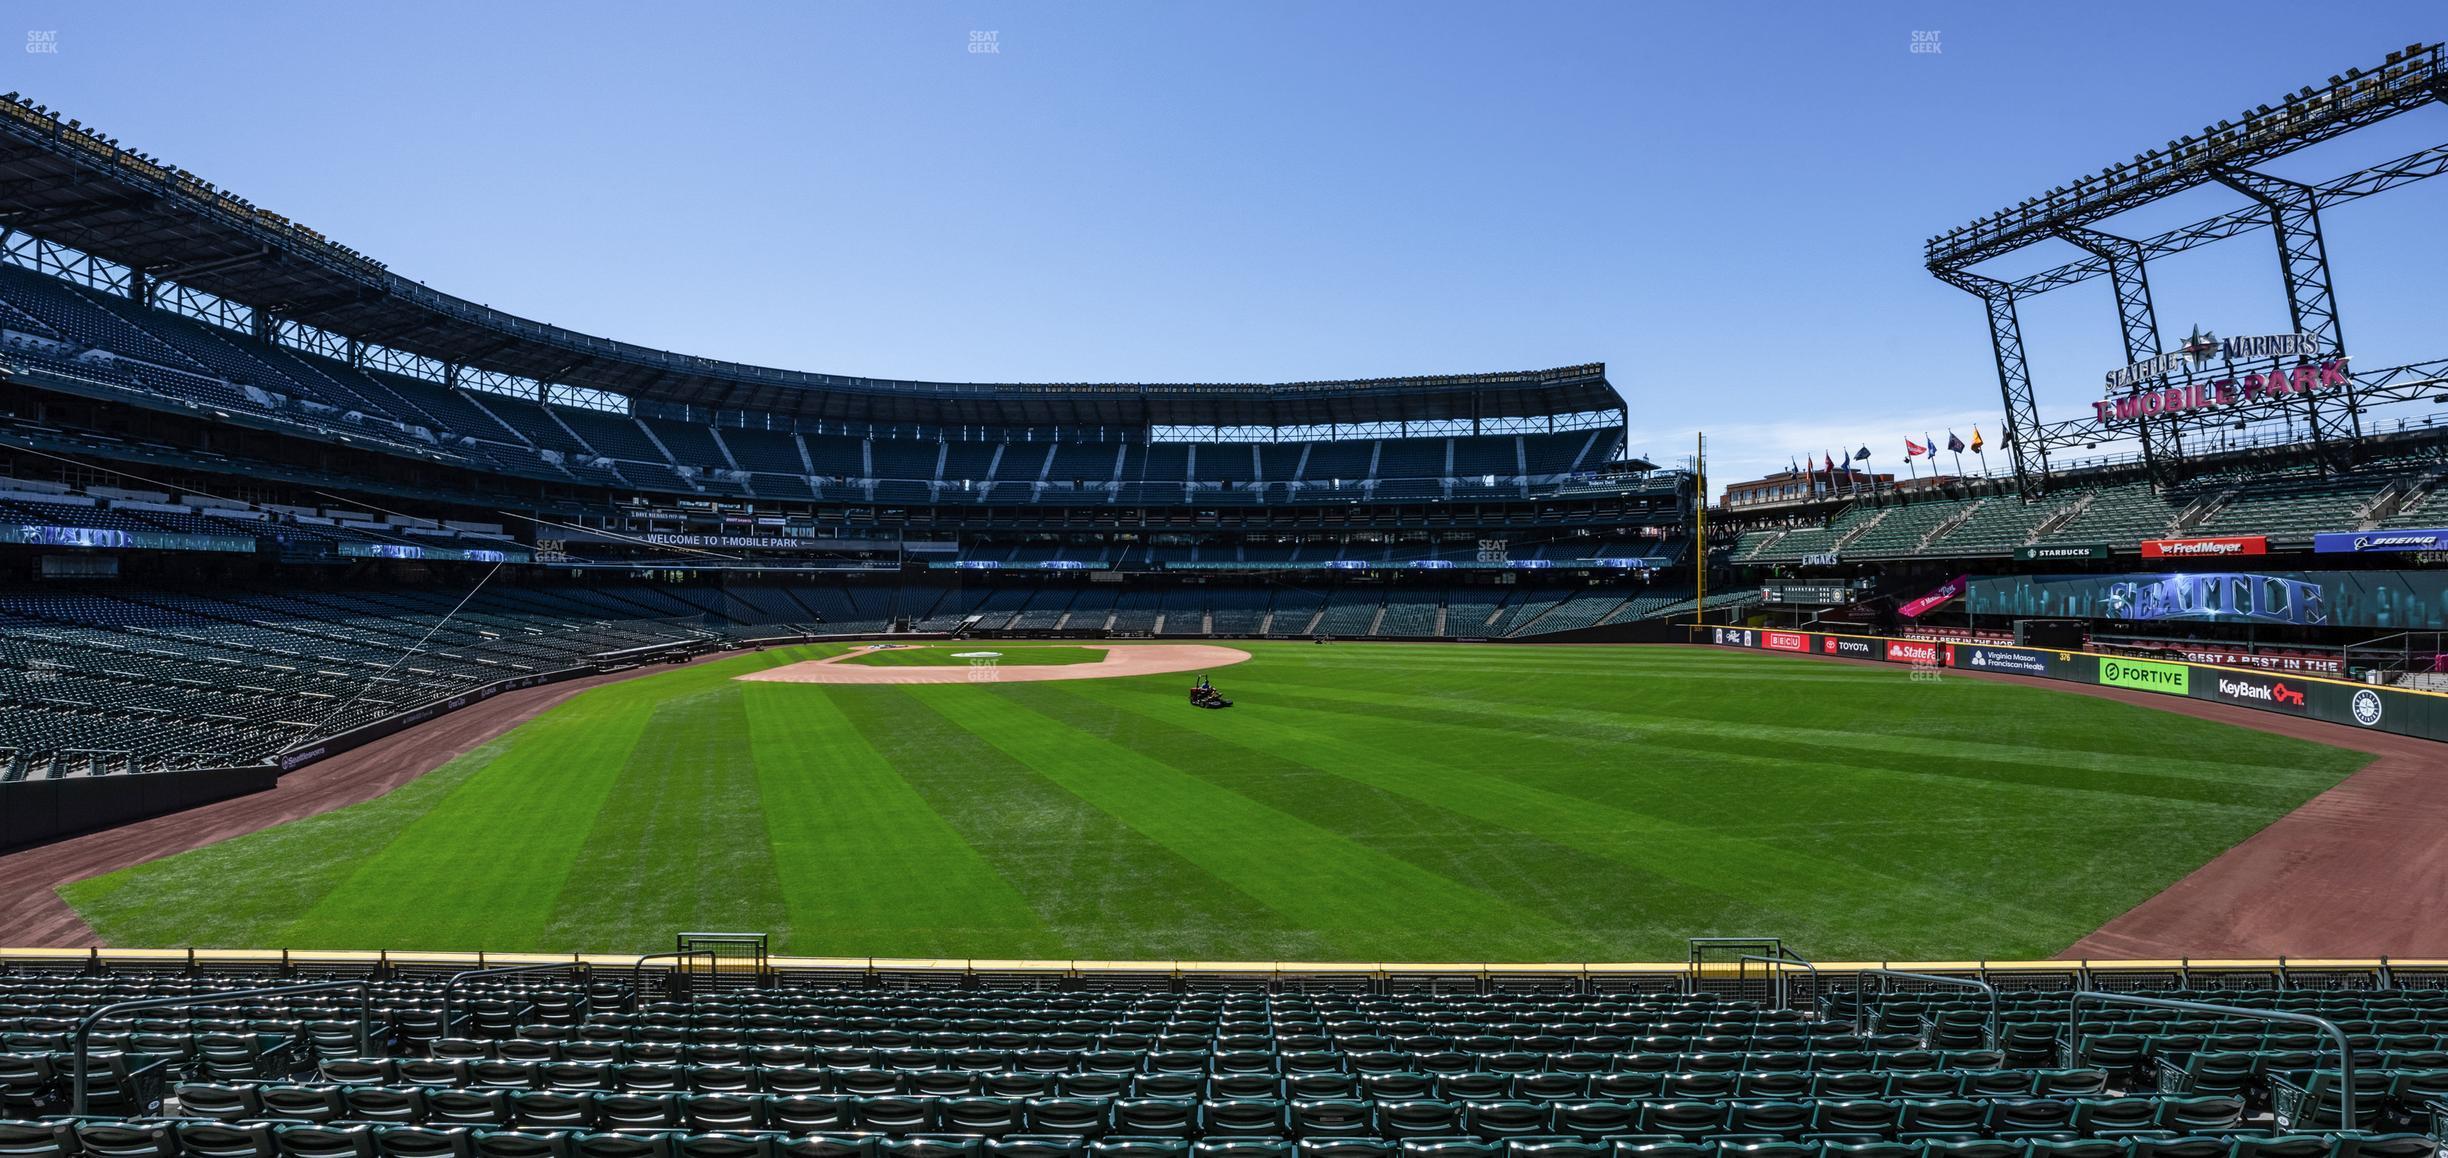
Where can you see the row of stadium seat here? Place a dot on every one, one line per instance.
(1090, 1117)
(210, 1139)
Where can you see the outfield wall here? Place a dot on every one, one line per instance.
(33, 811)
(1792, 975)
(2398, 711)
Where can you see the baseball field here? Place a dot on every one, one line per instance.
(1375, 803)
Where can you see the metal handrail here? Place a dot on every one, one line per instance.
(1784, 985)
(504, 970)
(84, 1030)
(637, 969)
(2346, 1070)
(1861, 1010)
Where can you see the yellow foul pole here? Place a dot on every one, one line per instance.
(1700, 529)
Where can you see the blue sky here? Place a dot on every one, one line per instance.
(1724, 203)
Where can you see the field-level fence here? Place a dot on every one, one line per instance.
(1836, 989)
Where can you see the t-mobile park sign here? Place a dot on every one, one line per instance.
(2225, 392)
(2138, 391)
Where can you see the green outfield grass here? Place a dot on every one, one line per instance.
(1006, 654)
(1416, 803)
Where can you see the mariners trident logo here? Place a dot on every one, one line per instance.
(2200, 347)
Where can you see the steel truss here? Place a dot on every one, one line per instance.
(2223, 154)
(2140, 325)
(2014, 377)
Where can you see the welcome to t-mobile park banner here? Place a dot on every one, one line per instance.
(2404, 713)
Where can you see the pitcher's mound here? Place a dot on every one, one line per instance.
(1120, 660)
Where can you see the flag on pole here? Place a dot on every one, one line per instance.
(1976, 438)
(1954, 444)
(1912, 449)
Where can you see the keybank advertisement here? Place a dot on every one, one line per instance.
(2383, 600)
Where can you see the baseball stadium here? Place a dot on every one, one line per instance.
(432, 732)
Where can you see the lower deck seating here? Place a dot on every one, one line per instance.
(566, 1068)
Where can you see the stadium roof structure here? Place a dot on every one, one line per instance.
(71, 186)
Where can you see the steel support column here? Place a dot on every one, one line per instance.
(2303, 263)
(2014, 378)
(2162, 451)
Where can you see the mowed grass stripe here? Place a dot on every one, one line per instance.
(245, 891)
(866, 867)
(482, 868)
(1578, 886)
(1103, 889)
(1358, 895)
(1687, 870)
(2098, 758)
(680, 841)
